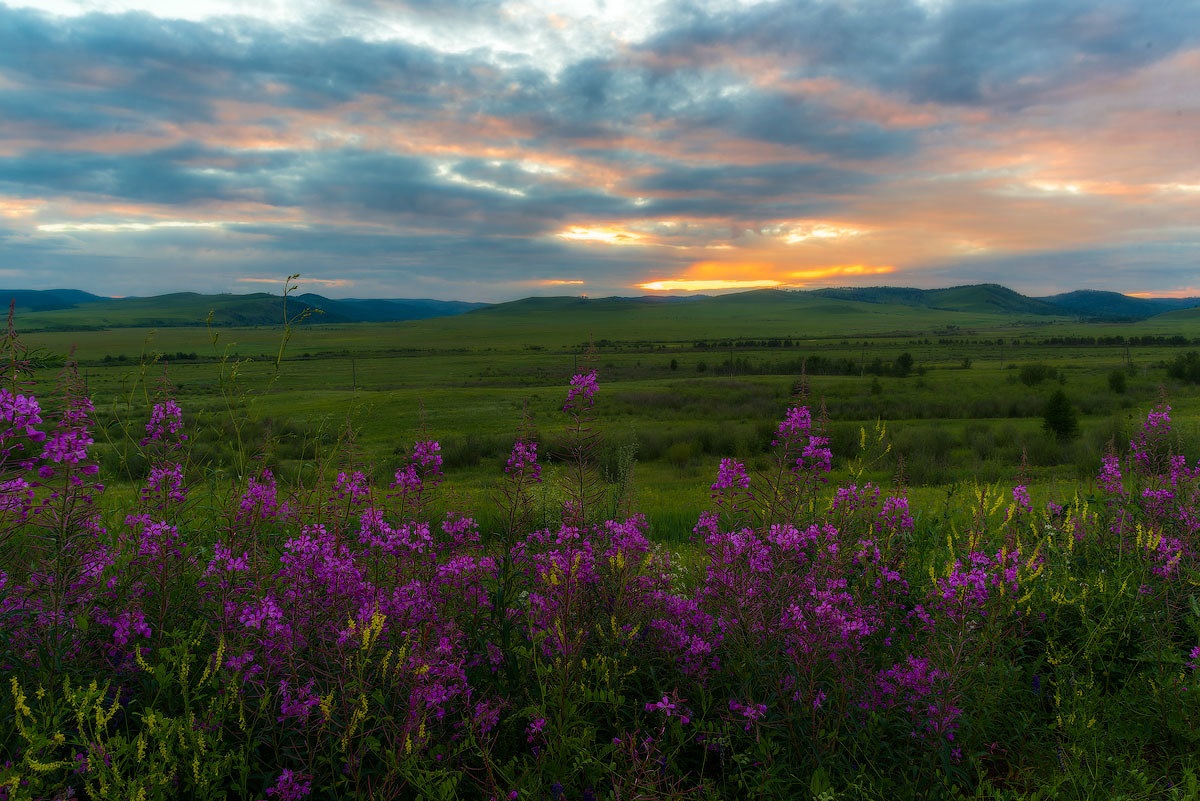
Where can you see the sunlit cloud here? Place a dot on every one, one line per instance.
(1055, 187)
(19, 208)
(127, 226)
(607, 236)
(558, 282)
(699, 286)
(1185, 292)
(806, 232)
(841, 270)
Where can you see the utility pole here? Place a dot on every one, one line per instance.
(353, 375)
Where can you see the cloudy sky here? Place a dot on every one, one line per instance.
(486, 150)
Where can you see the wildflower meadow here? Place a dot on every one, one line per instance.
(235, 635)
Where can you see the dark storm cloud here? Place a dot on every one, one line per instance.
(760, 181)
(972, 52)
(177, 175)
(171, 67)
(1148, 267)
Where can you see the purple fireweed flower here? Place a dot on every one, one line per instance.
(581, 391)
(22, 414)
(534, 730)
(1109, 479)
(165, 482)
(67, 446)
(751, 712)
(298, 703)
(260, 501)
(166, 419)
(797, 423)
(16, 498)
(290, 786)
(428, 455)
(524, 460)
(1021, 497)
(731, 475)
(355, 486)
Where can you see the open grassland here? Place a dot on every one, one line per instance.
(262, 585)
(685, 383)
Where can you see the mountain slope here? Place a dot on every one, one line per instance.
(67, 311)
(28, 300)
(1114, 305)
(981, 298)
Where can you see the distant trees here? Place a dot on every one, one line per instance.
(1185, 367)
(1059, 417)
(1116, 381)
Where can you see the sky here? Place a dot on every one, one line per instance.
(478, 150)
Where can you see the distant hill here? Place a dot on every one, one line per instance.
(73, 310)
(984, 298)
(28, 300)
(880, 308)
(1114, 305)
(383, 310)
(993, 298)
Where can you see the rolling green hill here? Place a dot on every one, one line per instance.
(983, 298)
(1114, 305)
(67, 310)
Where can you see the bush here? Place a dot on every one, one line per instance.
(1185, 367)
(1059, 416)
(1033, 374)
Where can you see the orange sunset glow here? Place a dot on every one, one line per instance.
(402, 151)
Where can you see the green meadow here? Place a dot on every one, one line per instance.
(683, 384)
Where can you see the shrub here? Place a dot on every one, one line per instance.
(1059, 416)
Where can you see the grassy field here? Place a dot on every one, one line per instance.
(683, 384)
(285, 590)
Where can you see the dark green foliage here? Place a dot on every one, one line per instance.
(1033, 374)
(1116, 381)
(1185, 367)
(1059, 417)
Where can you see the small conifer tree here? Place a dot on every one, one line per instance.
(1059, 416)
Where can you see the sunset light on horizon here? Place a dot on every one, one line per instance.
(483, 150)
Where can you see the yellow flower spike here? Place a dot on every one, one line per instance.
(141, 748)
(19, 698)
(141, 660)
(387, 658)
(326, 705)
(407, 745)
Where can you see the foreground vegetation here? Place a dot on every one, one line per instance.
(224, 628)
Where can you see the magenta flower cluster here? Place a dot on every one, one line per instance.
(383, 627)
